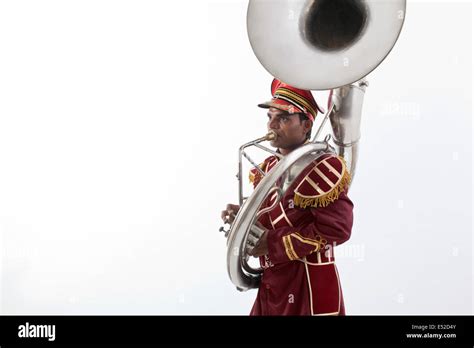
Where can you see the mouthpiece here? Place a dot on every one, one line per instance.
(271, 136)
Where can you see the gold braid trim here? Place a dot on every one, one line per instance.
(328, 197)
(318, 243)
(290, 251)
(296, 98)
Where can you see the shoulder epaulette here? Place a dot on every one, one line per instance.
(324, 183)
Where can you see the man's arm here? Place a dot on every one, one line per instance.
(331, 224)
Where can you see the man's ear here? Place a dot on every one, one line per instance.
(308, 125)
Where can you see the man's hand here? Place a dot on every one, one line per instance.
(228, 215)
(262, 246)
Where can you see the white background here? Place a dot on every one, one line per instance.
(119, 128)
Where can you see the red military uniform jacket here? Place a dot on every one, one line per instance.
(300, 276)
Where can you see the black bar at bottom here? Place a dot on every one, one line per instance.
(244, 330)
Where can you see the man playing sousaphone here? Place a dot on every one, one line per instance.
(314, 215)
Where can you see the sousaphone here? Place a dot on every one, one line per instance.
(314, 45)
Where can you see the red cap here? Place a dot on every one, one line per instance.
(292, 99)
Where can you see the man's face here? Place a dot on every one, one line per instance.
(290, 130)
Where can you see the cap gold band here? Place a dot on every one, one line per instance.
(295, 98)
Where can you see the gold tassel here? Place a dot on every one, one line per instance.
(256, 177)
(327, 198)
(251, 177)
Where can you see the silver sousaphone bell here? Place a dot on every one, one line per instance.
(314, 45)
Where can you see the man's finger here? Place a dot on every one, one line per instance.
(227, 216)
(233, 207)
(255, 252)
(224, 215)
